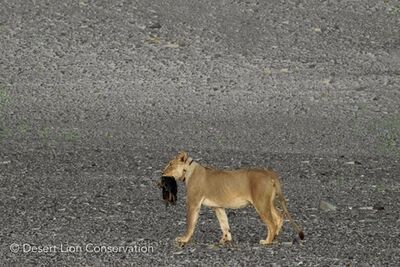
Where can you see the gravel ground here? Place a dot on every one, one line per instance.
(96, 97)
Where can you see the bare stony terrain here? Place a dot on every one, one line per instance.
(97, 96)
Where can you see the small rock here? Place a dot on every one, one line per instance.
(83, 3)
(325, 206)
(267, 71)
(141, 27)
(326, 81)
(361, 88)
(155, 25)
(172, 45)
(284, 70)
(378, 206)
(355, 162)
(365, 208)
(354, 213)
(316, 29)
(296, 240)
(231, 214)
(213, 247)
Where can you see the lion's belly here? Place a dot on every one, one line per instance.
(235, 203)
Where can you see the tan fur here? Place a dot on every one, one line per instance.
(220, 189)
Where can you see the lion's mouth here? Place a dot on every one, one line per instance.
(169, 190)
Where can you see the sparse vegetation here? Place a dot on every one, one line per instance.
(381, 188)
(45, 133)
(386, 132)
(51, 135)
(4, 132)
(339, 179)
(4, 100)
(389, 133)
(394, 10)
(4, 97)
(23, 128)
(70, 135)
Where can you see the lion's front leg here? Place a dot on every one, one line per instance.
(191, 220)
(223, 222)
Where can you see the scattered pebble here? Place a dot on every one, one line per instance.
(267, 71)
(327, 81)
(366, 208)
(317, 29)
(378, 206)
(172, 45)
(155, 25)
(355, 162)
(213, 246)
(284, 70)
(326, 206)
(141, 27)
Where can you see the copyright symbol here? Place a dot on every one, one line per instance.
(14, 248)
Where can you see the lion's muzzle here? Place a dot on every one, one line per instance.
(169, 190)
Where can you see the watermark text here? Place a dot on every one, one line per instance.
(82, 248)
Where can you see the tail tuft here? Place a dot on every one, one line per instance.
(301, 235)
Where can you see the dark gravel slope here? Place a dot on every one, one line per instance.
(96, 96)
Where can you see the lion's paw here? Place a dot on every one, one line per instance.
(181, 241)
(226, 239)
(265, 242)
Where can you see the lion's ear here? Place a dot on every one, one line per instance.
(183, 156)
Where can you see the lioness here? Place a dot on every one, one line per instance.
(220, 189)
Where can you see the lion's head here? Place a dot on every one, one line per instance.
(177, 167)
(174, 171)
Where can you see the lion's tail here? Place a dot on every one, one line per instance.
(282, 200)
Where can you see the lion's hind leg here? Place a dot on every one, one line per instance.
(278, 219)
(266, 215)
(263, 195)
